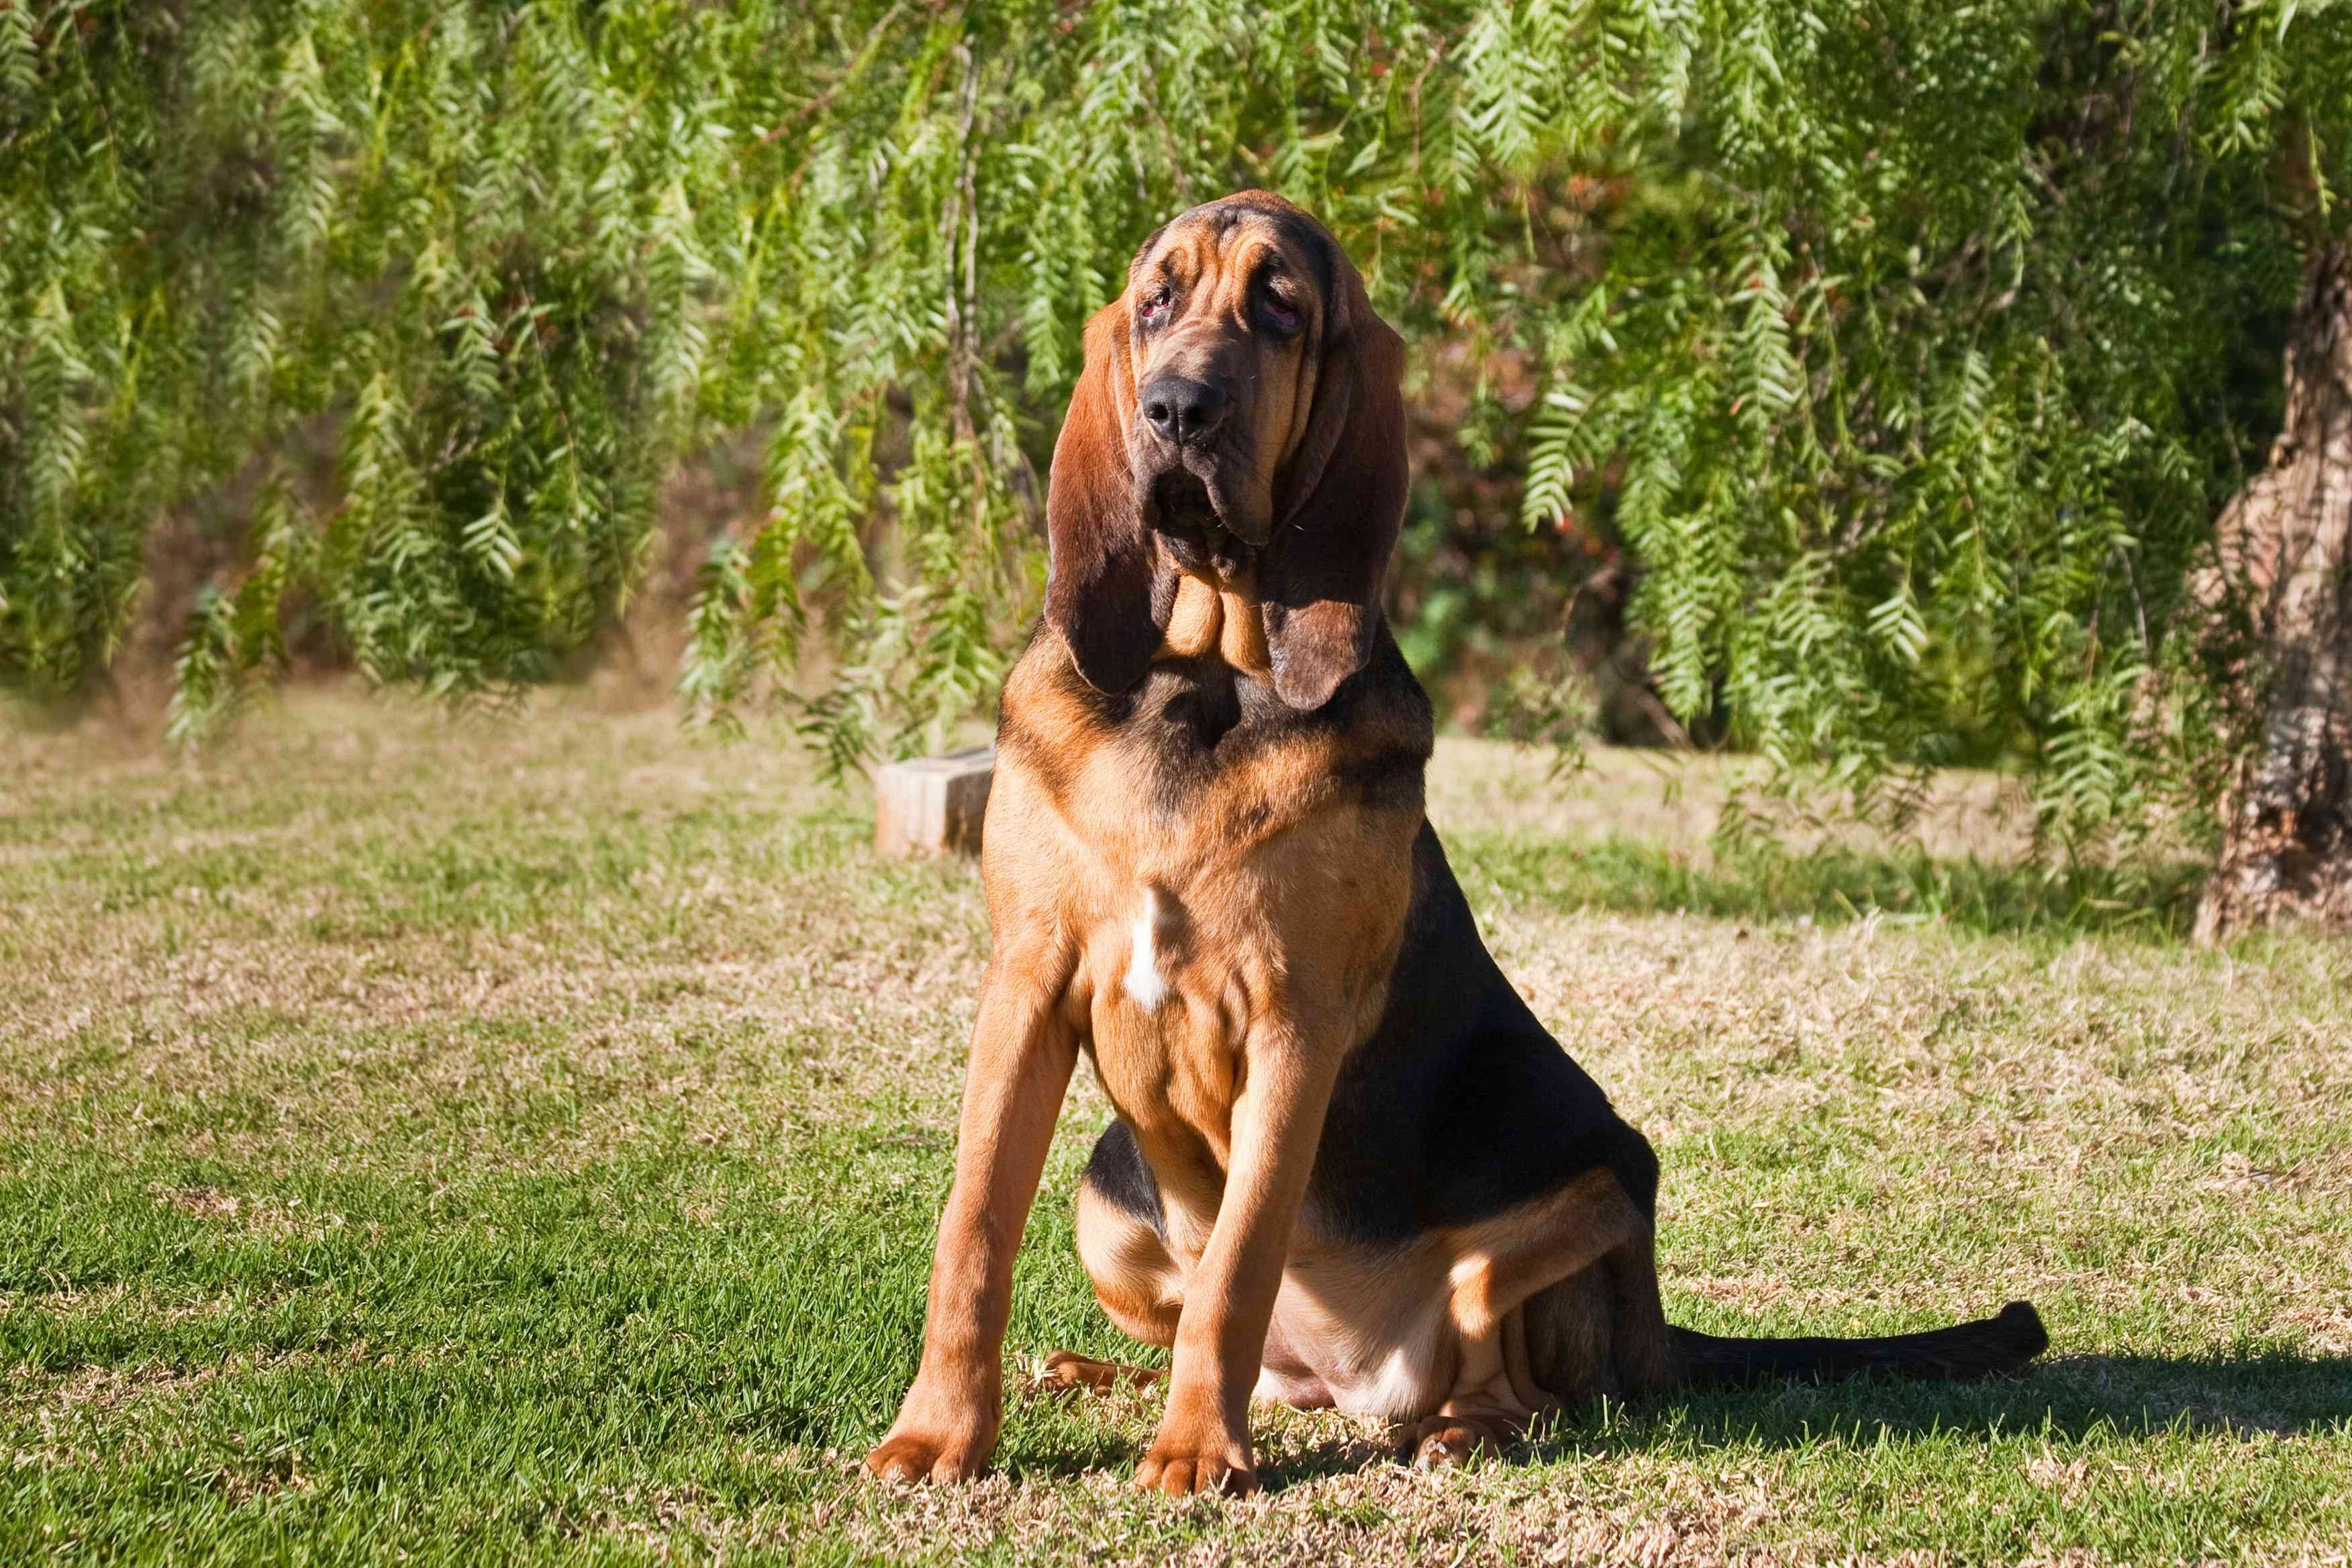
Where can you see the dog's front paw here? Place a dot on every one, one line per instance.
(1203, 1457)
(942, 1433)
(926, 1455)
(944, 1430)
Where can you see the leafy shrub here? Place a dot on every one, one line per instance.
(1908, 350)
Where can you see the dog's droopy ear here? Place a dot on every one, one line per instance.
(1337, 505)
(1110, 585)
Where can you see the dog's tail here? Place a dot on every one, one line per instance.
(2002, 1343)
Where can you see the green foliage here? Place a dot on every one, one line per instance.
(463, 238)
(1918, 390)
(1908, 350)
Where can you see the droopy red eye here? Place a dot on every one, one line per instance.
(1156, 303)
(1280, 314)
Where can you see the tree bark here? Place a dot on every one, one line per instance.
(2286, 543)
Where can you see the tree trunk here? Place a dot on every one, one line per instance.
(2285, 541)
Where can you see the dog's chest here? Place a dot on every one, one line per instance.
(1232, 874)
(1217, 954)
(1189, 947)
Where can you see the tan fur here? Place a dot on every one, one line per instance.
(1210, 273)
(1024, 1049)
(1305, 465)
(1219, 617)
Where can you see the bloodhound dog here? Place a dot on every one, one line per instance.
(1349, 1168)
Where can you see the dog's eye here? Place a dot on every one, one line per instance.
(1156, 305)
(1280, 314)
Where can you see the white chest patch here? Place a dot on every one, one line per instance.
(1142, 982)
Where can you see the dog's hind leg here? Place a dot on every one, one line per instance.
(1533, 1305)
(1494, 1397)
(1641, 1347)
(1136, 1280)
(1602, 1331)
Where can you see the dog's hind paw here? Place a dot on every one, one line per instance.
(1064, 1373)
(1444, 1442)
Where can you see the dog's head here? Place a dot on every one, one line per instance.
(1239, 418)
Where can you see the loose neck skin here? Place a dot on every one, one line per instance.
(1223, 616)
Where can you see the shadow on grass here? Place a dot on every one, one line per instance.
(2275, 1392)
(1838, 885)
(2066, 1399)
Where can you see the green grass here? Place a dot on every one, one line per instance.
(468, 1142)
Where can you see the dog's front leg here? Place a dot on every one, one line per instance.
(1022, 1050)
(1203, 1443)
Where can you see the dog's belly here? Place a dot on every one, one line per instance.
(1372, 1336)
(1369, 1331)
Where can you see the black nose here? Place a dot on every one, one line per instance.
(1182, 411)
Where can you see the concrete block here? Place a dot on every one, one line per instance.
(933, 805)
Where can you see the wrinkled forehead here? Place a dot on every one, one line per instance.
(1234, 242)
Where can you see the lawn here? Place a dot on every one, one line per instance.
(488, 1141)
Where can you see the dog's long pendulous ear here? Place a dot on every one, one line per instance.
(1337, 505)
(1110, 585)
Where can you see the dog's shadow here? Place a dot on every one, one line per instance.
(2064, 1399)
